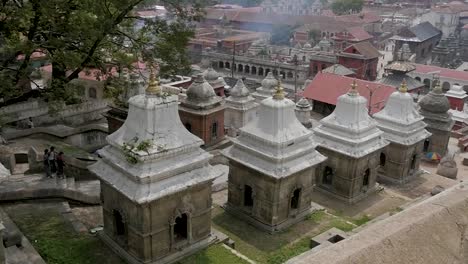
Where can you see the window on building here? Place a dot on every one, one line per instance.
(327, 176)
(214, 130)
(92, 93)
(295, 198)
(365, 179)
(248, 196)
(427, 143)
(119, 224)
(383, 159)
(181, 228)
(188, 126)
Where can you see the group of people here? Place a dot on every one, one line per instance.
(53, 163)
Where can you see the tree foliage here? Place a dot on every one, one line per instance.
(76, 35)
(341, 7)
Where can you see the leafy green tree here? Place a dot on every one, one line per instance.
(80, 34)
(341, 7)
(314, 35)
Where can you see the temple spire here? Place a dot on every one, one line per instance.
(279, 93)
(353, 91)
(404, 87)
(153, 85)
(437, 87)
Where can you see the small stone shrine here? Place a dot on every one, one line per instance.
(241, 108)
(272, 167)
(434, 107)
(267, 89)
(303, 109)
(350, 139)
(155, 183)
(215, 80)
(202, 112)
(404, 129)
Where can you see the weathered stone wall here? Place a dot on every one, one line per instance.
(149, 225)
(431, 232)
(438, 141)
(38, 110)
(235, 118)
(272, 197)
(201, 125)
(348, 174)
(398, 162)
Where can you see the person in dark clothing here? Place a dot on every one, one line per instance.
(52, 160)
(46, 163)
(60, 165)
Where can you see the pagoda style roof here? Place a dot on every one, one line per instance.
(275, 143)
(153, 155)
(395, 79)
(350, 130)
(401, 66)
(418, 33)
(400, 121)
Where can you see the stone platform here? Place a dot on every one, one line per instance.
(34, 186)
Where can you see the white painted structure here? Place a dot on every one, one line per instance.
(275, 143)
(267, 89)
(400, 121)
(241, 108)
(350, 130)
(303, 109)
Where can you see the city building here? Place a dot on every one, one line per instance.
(422, 39)
(292, 7)
(350, 139)
(272, 167)
(362, 58)
(155, 184)
(404, 128)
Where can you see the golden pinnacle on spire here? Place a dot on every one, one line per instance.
(403, 87)
(279, 94)
(153, 84)
(353, 91)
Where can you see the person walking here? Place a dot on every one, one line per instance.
(60, 165)
(52, 160)
(46, 163)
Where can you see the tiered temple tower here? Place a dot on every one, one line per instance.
(350, 139)
(272, 167)
(241, 108)
(267, 89)
(403, 127)
(202, 112)
(434, 108)
(155, 183)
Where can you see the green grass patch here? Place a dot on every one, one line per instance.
(317, 216)
(361, 220)
(56, 240)
(289, 251)
(216, 254)
(342, 224)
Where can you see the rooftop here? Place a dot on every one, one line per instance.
(327, 87)
(419, 33)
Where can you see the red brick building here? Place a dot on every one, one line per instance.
(362, 58)
(350, 36)
(202, 112)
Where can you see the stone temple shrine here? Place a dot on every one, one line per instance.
(350, 139)
(241, 108)
(267, 89)
(434, 107)
(404, 128)
(155, 183)
(272, 167)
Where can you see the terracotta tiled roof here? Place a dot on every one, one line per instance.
(327, 87)
(442, 72)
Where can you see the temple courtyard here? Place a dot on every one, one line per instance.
(62, 231)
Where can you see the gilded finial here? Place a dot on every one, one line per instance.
(404, 86)
(353, 91)
(153, 84)
(279, 93)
